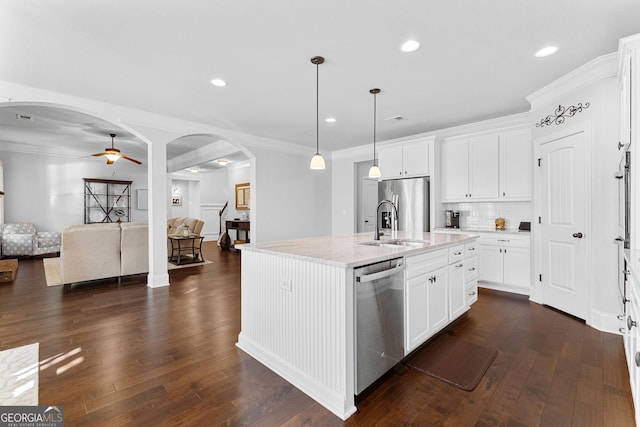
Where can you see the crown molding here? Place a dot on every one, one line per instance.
(597, 69)
(625, 46)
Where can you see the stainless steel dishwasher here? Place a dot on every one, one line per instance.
(379, 311)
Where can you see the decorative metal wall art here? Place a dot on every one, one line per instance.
(561, 113)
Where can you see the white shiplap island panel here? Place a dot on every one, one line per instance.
(298, 309)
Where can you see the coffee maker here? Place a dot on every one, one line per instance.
(452, 219)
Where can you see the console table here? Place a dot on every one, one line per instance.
(239, 226)
(184, 249)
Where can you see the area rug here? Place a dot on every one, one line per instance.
(19, 376)
(453, 360)
(52, 269)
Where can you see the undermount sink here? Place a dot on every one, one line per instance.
(396, 243)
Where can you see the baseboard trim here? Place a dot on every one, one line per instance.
(341, 405)
(504, 288)
(606, 322)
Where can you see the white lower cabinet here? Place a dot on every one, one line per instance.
(632, 339)
(457, 300)
(437, 288)
(426, 308)
(506, 260)
(471, 273)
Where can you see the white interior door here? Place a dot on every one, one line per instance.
(563, 197)
(369, 203)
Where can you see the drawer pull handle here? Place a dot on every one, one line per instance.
(472, 293)
(637, 358)
(472, 249)
(472, 269)
(622, 331)
(457, 253)
(458, 266)
(503, 240)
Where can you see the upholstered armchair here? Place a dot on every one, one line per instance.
(22, 239)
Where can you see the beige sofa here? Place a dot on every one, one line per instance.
(98, 251)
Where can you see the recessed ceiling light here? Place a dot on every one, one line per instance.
(546, 51)
(218, 82)
(194, 169)
(222, 162)
(330, 120)
(410, 46)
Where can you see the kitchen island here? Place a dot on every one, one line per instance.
(298, 300)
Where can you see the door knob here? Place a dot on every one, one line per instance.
(577, 235)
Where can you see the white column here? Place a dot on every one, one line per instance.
(158, 203)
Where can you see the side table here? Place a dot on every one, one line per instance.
(184, 249)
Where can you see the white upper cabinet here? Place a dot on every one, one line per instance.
(489, 167)
(516, 164)
(455, 169)
(470, 169)
(408, 159)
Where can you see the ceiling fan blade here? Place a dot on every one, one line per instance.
(132, 160)
(99, 154)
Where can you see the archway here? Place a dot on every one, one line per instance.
(204, 169)
(71, 135)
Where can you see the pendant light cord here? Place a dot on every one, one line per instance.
(317, 109)
(375, 162)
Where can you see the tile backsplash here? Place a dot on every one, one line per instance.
(483, 215)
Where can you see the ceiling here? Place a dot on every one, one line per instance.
(476, 60)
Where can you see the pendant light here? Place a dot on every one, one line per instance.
(317, 161)
(374, 172)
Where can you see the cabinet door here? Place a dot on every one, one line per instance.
(438, 300)
(390, 162)
(517, 267)
(516, 164)
(483, 167)
(455, 170)
(490, 268)
(457, 303)
(415, 158)
(417, 311)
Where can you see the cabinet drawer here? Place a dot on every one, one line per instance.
(471, 292)
(471, 249)
(470, 269)
(426, 263)
(456, 254)
(509, 240)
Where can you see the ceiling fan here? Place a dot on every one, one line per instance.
(112, 154)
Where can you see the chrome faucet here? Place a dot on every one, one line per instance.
(394, 219)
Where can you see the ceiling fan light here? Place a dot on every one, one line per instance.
(112, 156)
(317, 162)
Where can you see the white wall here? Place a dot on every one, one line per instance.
(180, 188)
(214, 188)
(237, 175)
(288, 200)
(48, 191)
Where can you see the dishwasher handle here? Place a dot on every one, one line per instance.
(380, 274)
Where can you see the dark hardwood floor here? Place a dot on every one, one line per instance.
(136, 356)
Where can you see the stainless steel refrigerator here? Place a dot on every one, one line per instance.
(411, 196)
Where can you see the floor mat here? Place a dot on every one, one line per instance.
(453, 360)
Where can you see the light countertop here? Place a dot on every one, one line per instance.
(481, 230)
(348, 250)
